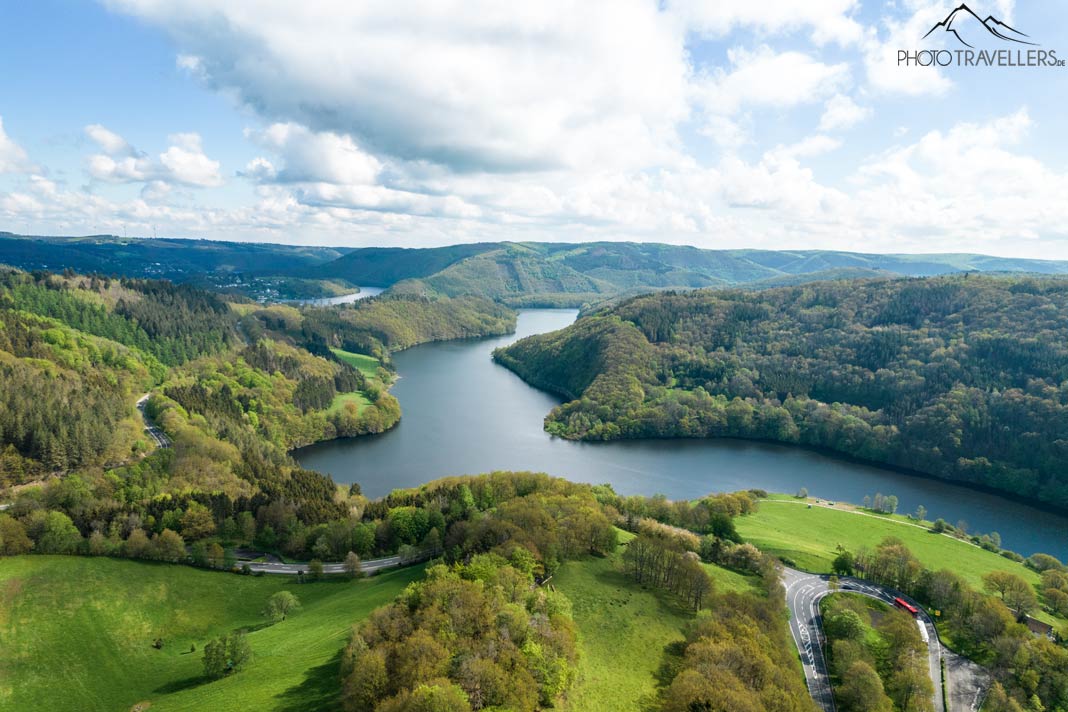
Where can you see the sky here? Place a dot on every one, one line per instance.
(779, 124)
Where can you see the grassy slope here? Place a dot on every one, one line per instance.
(367, 365)
(786, 527)
(341, 399)
(81, 628)
(623, 629)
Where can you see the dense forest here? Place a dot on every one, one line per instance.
(964, 378)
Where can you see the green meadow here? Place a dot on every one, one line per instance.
(367, 365)
(786, 527)
(77, 633)
(623, 630)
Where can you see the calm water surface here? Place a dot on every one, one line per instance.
(463, 414)
(364, 293)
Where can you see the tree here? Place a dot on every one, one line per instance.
(921, 513)
(58, 535)
(315, 569)
(197, 522)
(843, 564)
(137, 545)
(910, 684)
(802, 493)
(169, 546)
(215, 660)
(246, 527)
(13, 539)
(862, 690)
(940, 526)
(352, 565)
(845, 625)
(280, 605)
(216, 556)
(1016, 593)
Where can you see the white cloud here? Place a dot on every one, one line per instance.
(764, 77)
(968, 185)
(109, 141)
(13, 158)
(828, 20)
(312, 157)
(481, 85)
(184, 162)
(842, 113)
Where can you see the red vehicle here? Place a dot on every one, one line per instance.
(905, 605)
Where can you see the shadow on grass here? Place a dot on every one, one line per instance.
(179, 685)
(318, 691)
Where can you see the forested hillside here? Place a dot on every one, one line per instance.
(253, 269)
(380, 325)
(529, 274)
(964, 378)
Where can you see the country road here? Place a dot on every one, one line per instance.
(965, 681)
(158, 435)
(369, 566)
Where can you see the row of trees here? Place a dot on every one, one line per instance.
(960, 377)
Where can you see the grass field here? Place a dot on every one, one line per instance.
(76, 633)
(341, 399)
(787, 528)
(367, 365)
(623, 629)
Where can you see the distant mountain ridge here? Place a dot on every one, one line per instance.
(512, 273)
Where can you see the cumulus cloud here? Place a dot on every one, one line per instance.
(479, 85)
(312, 157)
(764, 77)
(841, 113)
(13, 158)
(184, 162)
(968, 184)
(827, 20)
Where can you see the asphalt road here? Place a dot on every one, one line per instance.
(158, 435)
(277, 567)
(803, 594)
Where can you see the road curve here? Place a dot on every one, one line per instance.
(158, 435)
(368, 567)
(803, 594)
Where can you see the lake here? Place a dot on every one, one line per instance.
(364, 293)
(464, 414)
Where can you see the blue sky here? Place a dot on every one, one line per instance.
(729, 124)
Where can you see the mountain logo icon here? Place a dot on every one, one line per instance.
(965, 25)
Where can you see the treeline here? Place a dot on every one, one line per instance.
(964, 378)
(987, 628)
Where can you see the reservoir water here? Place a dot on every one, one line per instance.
(364, 293)
(464, 414)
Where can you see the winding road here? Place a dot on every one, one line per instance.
(158, 435)
(277, 567)
(965, 681)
